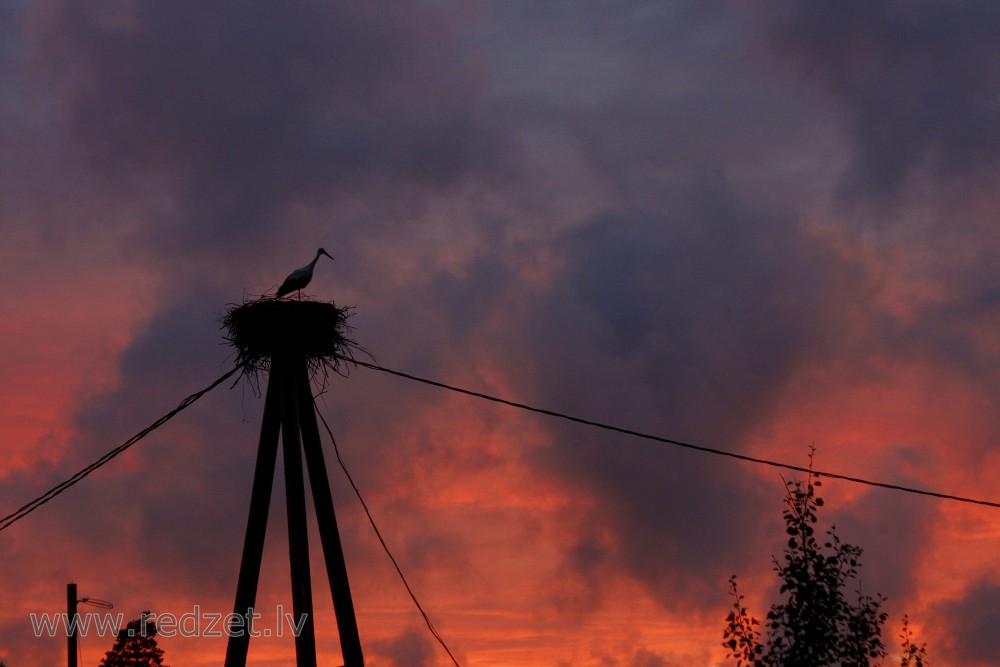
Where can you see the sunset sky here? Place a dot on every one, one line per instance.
(752, 226)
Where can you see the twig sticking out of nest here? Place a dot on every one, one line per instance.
(265, 328)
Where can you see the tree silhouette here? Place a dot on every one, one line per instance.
(135, 646)
(815, 625)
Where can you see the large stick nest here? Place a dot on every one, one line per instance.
(265, 328)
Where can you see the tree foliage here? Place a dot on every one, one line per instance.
(135, 645)
(913, 655)
(816, 624)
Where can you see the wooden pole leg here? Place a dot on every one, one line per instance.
(253, 545)
(336, 568)
(298, 537)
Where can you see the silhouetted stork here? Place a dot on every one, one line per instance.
(299, 278)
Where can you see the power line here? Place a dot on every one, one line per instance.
(378, 534)
(30, 507)
(677, 443)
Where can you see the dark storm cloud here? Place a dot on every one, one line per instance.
(241, 110)
(970, 624)
(684, 323)
(704, 295)
(917, 82)
(652, 91)
(614, 75)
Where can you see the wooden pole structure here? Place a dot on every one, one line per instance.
(288, 410)
(336, 568)
(71, 601)
(298, 535)
(253, 545)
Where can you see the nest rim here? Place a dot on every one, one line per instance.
(318, 331)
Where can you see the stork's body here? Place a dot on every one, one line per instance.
(299, 278)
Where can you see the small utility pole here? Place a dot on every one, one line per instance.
(71, 599)
(73, 622)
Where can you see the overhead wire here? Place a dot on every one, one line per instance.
(378, 534)
(31, 506)
(677, 443)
